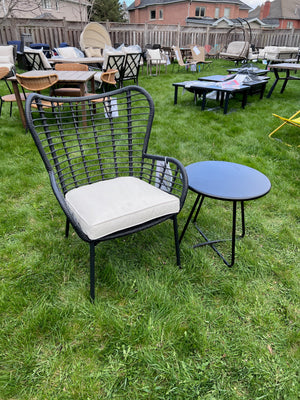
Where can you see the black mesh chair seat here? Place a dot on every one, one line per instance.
(95, 151)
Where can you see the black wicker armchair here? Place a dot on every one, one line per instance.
(95, 151)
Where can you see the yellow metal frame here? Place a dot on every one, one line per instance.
(292, 120)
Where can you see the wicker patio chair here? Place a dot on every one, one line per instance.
(105, 181)
(37, 84)
(10, 97)
(69, 91)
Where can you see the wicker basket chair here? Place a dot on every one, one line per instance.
(69, 91)
(37, 84)
(10, 97)
(105, 181)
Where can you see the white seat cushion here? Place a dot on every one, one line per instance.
(109, 206)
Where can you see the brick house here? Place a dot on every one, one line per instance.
(281, 14)
(177, 11)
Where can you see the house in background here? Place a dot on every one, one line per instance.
(281, 14)
(70, 10)
(179, 11)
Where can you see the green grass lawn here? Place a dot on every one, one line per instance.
(156, 332)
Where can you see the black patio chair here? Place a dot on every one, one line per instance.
(95, 151)
(131, 68)
(116, 61)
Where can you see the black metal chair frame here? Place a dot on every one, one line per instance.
(82, 145)
(131, 68)
(33, 61)
(116, 61)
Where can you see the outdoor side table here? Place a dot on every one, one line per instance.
(226, 181)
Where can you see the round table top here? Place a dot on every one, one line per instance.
(227, 181)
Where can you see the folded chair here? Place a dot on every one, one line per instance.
(180, 61)
(101, 173)
(198, 55)
(293, 120)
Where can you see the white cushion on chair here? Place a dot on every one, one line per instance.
(109, 206)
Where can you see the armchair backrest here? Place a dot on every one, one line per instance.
(7, 57)
(198, 53)
(7, 54)
(115, 61)
(238, 48)
(131, 66)
(37, 83)
(178, 55)
(106, 137)
(36, 59)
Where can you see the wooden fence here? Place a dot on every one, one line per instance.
(54, 32)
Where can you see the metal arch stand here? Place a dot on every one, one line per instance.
(198, 202)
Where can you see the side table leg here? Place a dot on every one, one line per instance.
(190, 217)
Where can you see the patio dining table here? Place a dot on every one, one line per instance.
(79, 78)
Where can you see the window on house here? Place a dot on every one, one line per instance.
(200, 12)
(217, 12)
(290, 25)
(152, 14)
(57, 5)
(47, 4)
(161, 14)
(227, 12)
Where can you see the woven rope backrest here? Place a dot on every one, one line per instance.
(71, 67)
(37, 83)
(83, 141)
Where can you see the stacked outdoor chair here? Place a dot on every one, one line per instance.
(125, 62)
(101, 173)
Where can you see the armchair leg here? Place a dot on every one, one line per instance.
(175, 225)
(92, 271)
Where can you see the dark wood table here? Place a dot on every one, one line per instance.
(285, 67)
(225, 181)
(79, 78)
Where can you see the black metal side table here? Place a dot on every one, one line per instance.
(224, 181)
